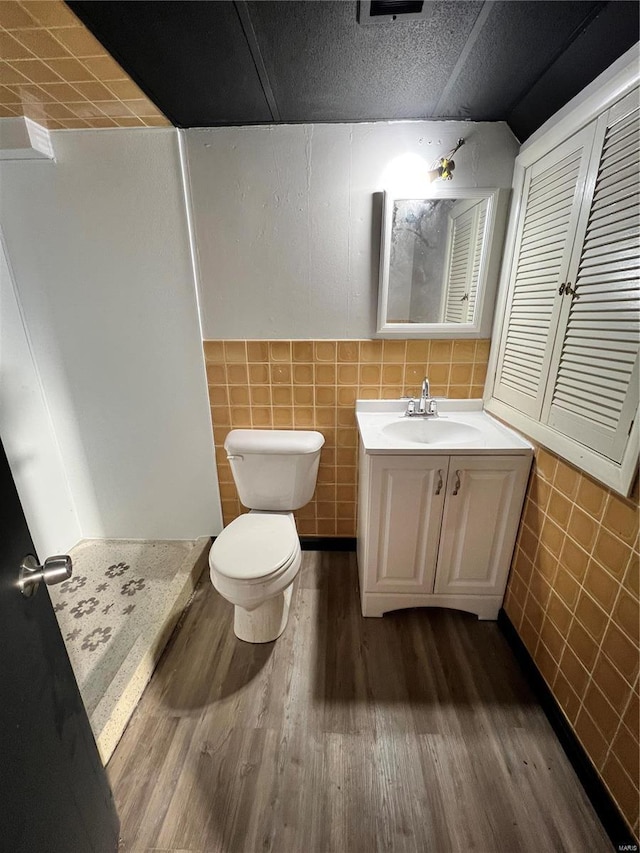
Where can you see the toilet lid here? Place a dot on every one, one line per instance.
(254, 545)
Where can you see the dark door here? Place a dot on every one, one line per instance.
(55, 795)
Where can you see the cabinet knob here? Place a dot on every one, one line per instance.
(439, 486)
(456, 487)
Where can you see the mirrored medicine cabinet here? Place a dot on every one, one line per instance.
(439, 262)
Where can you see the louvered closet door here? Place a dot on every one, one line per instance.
(550, 205)
(481, 221)
(458, 268)
(593, 388)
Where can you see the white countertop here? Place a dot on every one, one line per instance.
(486, 436)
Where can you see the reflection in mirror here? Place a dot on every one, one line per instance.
(435, 260)
(436, 246)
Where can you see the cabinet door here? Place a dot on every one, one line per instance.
(593, 387)
(550, 205)
(481, 516)
(407, 496)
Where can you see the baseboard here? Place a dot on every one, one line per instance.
(605, 807)
(328, 543)
(325, 543)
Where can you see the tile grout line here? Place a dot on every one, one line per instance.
(599, 650)
(590, 554)
(610, 743)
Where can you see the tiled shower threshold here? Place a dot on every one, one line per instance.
(116, 614)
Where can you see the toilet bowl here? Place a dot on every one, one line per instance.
(254, 561)
(253, 564)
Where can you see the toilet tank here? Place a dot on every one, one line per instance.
(274, 469)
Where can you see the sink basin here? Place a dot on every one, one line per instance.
(460, 427)
(422, 431)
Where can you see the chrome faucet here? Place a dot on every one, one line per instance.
(424, 397)
(425, 406)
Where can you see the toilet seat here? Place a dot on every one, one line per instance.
(255, 546)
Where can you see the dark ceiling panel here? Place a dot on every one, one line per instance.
(324, 66)
(216, 62)
(608, 36)
(192, 59)
(517, 43)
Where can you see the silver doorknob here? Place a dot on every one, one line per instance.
(55, 570)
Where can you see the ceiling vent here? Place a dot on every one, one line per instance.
(393, 11)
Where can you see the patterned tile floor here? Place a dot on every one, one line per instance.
(122, 596)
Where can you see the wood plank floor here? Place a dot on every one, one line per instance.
(411, 733)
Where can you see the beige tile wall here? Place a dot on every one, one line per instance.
(573, 597)
(54, 71)
(314, 385)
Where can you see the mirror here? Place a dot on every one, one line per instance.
(439, 262)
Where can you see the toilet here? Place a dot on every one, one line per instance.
(256, 558)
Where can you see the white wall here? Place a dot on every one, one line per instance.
(287, 226)
(99, 247)
(27, 432)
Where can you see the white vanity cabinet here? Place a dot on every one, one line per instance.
(401, 519)
(438, 530)
(482, 510)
